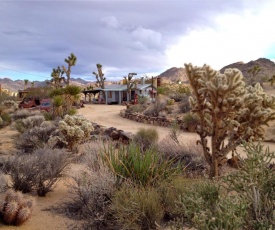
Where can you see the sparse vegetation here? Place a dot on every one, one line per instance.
(39, 171)
(146, 138)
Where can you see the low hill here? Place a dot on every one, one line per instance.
(174, 74)
(267, 67)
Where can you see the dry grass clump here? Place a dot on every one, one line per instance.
(190, 156)
(146, 138)
(92, 186)
(3, 183)
(25, 124)
(137, 208)
(21, 114)
(36, 137)
(39, 171)
(155, 108)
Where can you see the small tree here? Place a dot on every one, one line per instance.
(100, 79)
(71, 61)
(57, 77)
(130, 84)
(227, 110)
(25, 83)
(253, 72)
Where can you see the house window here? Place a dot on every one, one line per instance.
(109, 94)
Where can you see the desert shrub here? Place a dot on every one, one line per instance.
(185, 105)
(142, 100)
(21, 114)
(137, 208)
(9, 103)
(72, 111)
(255, 184)
(137, 166)
(135, 108)
(75, 130)
(191, 121)
(6, 119)
(155, 108)
(146, 138)
(48, 116)
(27, 123)
(187, 155)
(203, 206)
(92, 186)
(170, 191)
(1, 122)
(171, 102)
(16, 208)
(36, 137)
(3, 183)
(39, 171)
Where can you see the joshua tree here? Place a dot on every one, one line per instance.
(130, 84)
(254, 71)
(71, 61)
(227, 110)
(100, 79)
(272, 80)
(26, 82)
(57, 77)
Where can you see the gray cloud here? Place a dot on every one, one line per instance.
(123, 36)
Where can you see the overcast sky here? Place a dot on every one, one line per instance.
(142, 36)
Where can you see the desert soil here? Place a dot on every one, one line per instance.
(44, 218)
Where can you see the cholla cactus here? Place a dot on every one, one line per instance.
(9, 104)
(227, 110)
(15, 209)
(75, 129)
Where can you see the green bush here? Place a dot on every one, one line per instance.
(142, 168)
(142, 100)
(255, 184)
(146, 138)
(203, 206)
(6, 118)
(171, 102)
(135, 108)
(137, 208)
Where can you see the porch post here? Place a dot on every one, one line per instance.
(119, 97)
(106, 102)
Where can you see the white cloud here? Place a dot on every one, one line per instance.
(147, 37)
(234, 38)
(111, 22)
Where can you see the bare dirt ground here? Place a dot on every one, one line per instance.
(44, 218)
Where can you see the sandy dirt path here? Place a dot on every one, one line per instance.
(108, 115)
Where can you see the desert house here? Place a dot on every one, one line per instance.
(117, 93)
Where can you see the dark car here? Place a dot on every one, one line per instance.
(46, 105)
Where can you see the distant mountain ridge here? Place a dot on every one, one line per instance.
(267, 67)
(173, 74)
(14, 86)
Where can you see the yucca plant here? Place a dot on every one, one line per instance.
(140, 167)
